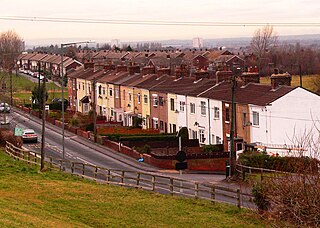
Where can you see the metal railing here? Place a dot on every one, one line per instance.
(142, 180)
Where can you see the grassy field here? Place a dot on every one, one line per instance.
(22, 88)
(29, 198)
(307, 81)
(22, 84)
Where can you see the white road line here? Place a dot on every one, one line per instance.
(81, 159)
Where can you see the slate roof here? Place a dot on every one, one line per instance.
(252, 93)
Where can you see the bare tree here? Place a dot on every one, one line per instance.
(11, 45)
(263, 39)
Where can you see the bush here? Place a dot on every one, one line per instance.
(7, 135)
(294, 199)
(260, 197)
(212, 148)
(53, 115)
(145, 138)
(146, 149)
(74, 121)
(90, 127)
(285, 164)
(184, 133)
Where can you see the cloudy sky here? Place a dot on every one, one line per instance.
(262, 11)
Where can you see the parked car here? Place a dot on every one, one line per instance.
(29, 135)
(4, 107)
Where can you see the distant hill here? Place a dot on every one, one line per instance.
(310, 39)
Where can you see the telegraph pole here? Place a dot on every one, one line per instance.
(94, 109)
(43, 122)
(232, 151)
(300, 73)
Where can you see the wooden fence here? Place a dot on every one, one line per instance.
(141, 180)
(245, 171)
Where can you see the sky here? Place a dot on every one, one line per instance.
(244, 11)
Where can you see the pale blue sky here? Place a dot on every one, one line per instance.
(173, 10)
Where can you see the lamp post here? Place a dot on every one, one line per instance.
(62, 88)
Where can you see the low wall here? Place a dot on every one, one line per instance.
(84, 134)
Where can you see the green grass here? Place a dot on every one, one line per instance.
(307, 81)
(29, 198)
(21, 83)
(22, 88)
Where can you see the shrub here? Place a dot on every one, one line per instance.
(212, 148)
(53, 115)
(7, 135)
(74, 121)
(260, 197)
(89, 127)
(146, 149)
(285, 164)
(184, 133)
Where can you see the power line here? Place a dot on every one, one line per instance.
(156, 22)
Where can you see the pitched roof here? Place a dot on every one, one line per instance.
(151, 81)
(38, 57)
(252, 93)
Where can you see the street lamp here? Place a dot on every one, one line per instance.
(62, 88)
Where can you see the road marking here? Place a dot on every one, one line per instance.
(81, 159)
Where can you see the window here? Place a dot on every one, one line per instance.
(239, 146)
(182, 106)
(192, 108)
(172, 104)
(116, 93)
(111, 112)
(228, 114)
(89, 88)
(130, 97)
(86, 108)
(174, 128)
(202, 139)
(216, 112)
(155, 124)
(124, 95)
(145, 98)
(139, 98)
(203, 108)
(218, 140)
(79, 85)
(155, 101)
(82, 85)
(161, 101)
(244, 119)
(161, 125)
(255, 116)
(100, 90)
(110, 92)
(104, 90)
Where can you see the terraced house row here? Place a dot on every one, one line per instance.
(49, 63)
(168, 99)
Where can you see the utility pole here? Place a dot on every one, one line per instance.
(62, 101)
(11, 93)
(39, 94)
(43, 122)
(232, 151)
(300, 73)
(94, 109)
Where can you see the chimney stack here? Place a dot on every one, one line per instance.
(121, 68)
(280, 79)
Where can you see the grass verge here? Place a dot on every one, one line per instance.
(307, 81)
(29, 198)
